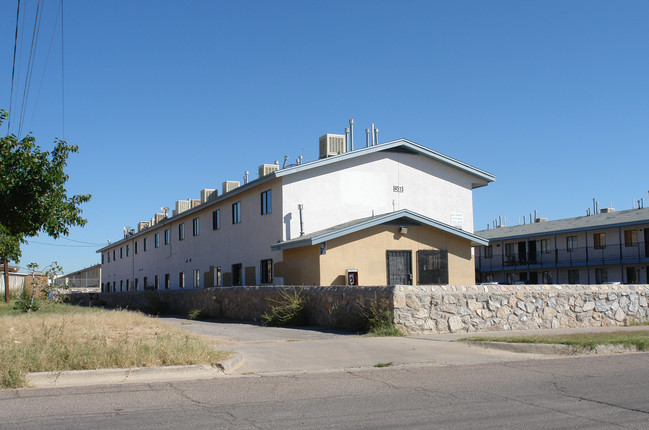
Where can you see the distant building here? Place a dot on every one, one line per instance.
(87, 279)
(390, 213)
(607, 247)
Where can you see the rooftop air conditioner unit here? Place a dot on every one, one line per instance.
(229, 186)
(208, 194)
(142, 225)
(332, 144)
(159, 217)
(196, 202)
(182, 206)
(267, 169)
(606, 210)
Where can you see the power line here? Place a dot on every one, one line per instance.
(30, 64)
(13, 69)
(59, 244)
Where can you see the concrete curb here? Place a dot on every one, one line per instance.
(529, 348)
(70, 378)
(553, 349)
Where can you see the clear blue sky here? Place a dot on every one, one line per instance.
(165, 98)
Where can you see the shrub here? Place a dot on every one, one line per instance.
(377, 317)
(287, 311)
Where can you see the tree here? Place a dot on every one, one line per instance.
(33, 198)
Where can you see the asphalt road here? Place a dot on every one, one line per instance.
(594, 392)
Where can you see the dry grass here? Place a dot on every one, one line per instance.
(83, 338)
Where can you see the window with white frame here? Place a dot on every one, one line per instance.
(266, 271)
(601, 275)
(266, 205)
(630, 237)
(181, 231)
(216, 219)
(236, 213)
(156, 240)
(545, 246)
(488, 251)
(599, 240)
(571, 243)
(195, 226)
(197, 278)
(181, 279)
(167, 236)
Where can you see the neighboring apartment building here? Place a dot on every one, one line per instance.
(607, 247)
(391, 213)
(82, 280)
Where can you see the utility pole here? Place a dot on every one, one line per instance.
(6, 276)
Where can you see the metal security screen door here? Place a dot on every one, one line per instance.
(399, 267)
(432, 266)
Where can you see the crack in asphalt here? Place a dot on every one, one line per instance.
(599, 402)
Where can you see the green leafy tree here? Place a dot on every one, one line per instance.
(33, 198)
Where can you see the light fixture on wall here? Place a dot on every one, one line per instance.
(403, 230)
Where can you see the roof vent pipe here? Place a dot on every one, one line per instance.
(285, 161)
(300, 207)
(376, 136)
(347, 138)
(351, 134)
(245, 177)
(373, 142)
(367, 137)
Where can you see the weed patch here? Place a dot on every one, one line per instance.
(287, 311)
(73, 338)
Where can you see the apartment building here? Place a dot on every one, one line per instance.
(594, 249)
(390, 213)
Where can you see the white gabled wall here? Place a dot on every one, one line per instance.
(336, 193)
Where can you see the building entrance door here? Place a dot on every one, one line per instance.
(399, 267)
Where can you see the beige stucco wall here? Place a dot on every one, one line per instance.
(365, 251)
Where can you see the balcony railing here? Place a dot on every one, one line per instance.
(612, 254)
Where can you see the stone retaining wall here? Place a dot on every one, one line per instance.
(324, 304)
(417, 309)
(426, 309)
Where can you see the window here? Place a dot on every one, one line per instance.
(181, 279)
(135, 247)
(114, 255)
(266, 206)
(630, 238)
(156, 240)
(157, 282)
(195, 226)
(571, 243)
(216, 219)
(601, 276)
(128, 283)
(217, 277)
(167, 236)
(266, 271)
(145, 283)
(509, 250)
(144, 244)
(114, 286)
(573, 277)
(236, 274)
(197, 278)
(121, 252)
(236, 213)
(599, 240)
(137, 283)
(108, 256)
(167, 281)
(546, 277)
(102, 258)
(545, 246)
(181, 231)
(127, 250)
(488, 251)
(121, 285)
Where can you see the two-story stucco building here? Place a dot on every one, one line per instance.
(391, 213)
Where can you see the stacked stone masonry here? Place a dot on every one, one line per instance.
(427, 309)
